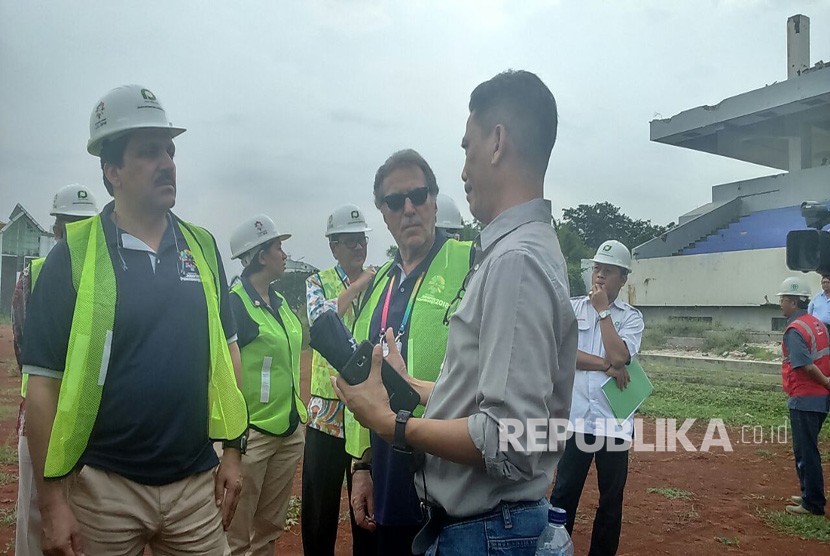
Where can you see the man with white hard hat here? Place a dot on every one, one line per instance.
(805, 373)
(448, 218)
(325, 462)
(131, 355)
(71, 203)
(610, 331)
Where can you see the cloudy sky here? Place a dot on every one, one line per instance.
(292, 106)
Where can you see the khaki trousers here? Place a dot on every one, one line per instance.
(27, 532)
(119, 517)
(268, 469)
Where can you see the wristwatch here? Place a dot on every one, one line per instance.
(358, 465)
(604, 314)
(240, 443)
(399, 443)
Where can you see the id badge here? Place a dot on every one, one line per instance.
(385, 346)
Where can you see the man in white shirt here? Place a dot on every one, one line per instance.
(610, 331)
(820, 305)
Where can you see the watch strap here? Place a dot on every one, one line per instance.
(399, 442)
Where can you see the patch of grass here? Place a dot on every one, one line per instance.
(7, 478)
(764, 453)
(8, 516)
(739, 398)
(760, 354)
(671, 493)
(293, 516)
(8, 454)
(728, 541)
(720, 341)
(806, 527)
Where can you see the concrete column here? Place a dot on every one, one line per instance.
(798, 45)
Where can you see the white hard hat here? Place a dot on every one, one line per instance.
(74, 200)
(252, 233)
(348, 219)
(614, 253)
(123, 109)
(448, 217)
(796, 286)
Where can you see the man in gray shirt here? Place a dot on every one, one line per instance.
(511, 351)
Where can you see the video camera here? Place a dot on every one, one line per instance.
(809, 250)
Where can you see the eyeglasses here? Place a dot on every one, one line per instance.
(451, 308)
(396, 201)
(351, 241)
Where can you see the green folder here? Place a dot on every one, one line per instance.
(625, 402)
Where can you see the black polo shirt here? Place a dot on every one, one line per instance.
(152, 424)
(396, 502)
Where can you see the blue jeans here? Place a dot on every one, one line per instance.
(806, 425)
(510, 529)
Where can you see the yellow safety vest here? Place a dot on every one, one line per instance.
(427, 334)
(34, 271)
(271, 366)
(321, 371)
(90, 338)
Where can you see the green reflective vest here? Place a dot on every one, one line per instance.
(271, 366)
(321, 371)
(34, 272)
(427, 334)
(90, 340)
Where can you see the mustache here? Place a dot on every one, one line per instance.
(166, 176)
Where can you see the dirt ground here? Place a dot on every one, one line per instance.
(726, 491)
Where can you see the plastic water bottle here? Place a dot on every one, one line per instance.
(555, 540)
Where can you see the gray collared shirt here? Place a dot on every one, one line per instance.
(511, 354)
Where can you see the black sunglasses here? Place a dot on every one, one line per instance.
(396, 201)
(351, 241)
(458, 296)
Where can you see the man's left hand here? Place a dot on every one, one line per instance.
(227, 484)
(620, 375)
(369, 400)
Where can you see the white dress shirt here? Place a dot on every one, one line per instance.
(590, 411)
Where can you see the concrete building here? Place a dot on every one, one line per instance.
(21, 240)
(724, 261)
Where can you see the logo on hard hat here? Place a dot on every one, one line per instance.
(99, 110)
(259, 228)
(82, 194)
(355, 214)
(794, 287)
(606, 247)
(331, 221)
(147, 94)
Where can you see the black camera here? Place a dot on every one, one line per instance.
(809, 250)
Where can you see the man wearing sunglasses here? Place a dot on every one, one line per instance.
(512, 344)
(325, 461)
(409, 295)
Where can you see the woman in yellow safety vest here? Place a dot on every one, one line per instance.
(270, 339)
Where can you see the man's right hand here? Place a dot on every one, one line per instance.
(60, 535)
(363, 500)
(363, 280)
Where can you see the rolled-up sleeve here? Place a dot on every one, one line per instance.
(631, 331)
(517, 356)
(316, 302)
